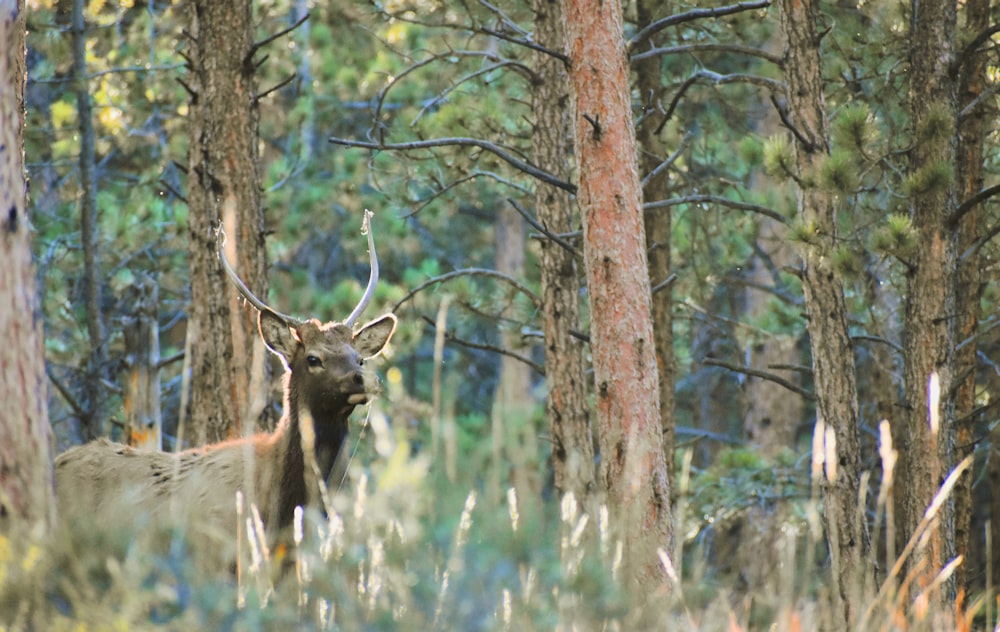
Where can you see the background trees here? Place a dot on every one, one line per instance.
(808, 180)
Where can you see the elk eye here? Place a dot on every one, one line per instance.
(313, 361)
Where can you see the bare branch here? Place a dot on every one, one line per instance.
(494, 149)
(535, 300)
(689, 16)
(279, 86)
(466, 178)
(430, 103)
(488, 347)
(718, 79)
(764, 375)
(685, 141)
(971, 203)
(524, 41)
(962, 58)
(267, 40)
(717, 199)
(545, 231)
(709, 48)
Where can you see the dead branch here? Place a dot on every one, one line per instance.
(494, 149)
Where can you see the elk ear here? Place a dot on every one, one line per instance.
(278, 334)
(372, 338)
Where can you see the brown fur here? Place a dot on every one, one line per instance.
(114, 485)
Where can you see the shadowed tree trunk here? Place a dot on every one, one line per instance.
(95, 395)
(515, 450)
(633, 469)
(968, 286)
(657, 225)
(924, 442)
(227, 360)
(826, 310)
(26, 493)
(552, 150)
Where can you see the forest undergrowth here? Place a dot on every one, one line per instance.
(401, 546)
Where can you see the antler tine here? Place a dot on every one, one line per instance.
(220, 239)
(366, 227)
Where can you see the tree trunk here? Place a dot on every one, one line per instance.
(94, 400)
(657, 227)
(633, 468)
(515, 449)
(924, 440)
(552, 150)
(826, 310)
(227, 361)
(141, 333)
(968, 287)
(26, 486)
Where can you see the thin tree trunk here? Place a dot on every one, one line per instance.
(95, 394)
(826, 310)
(657, 227)
(26, 487)
(229, 385)
(552, 150)
(141, 333)
(514, 446)
(924, 440)
(633, 468)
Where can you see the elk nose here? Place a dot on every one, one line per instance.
(358, 379)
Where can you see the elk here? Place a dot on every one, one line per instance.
(112, 484)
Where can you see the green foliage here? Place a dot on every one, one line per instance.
(937, 124)
(838, 173)
(846, 263)
(933, 178)
(897, 237)
(854, 128)
(779, 156)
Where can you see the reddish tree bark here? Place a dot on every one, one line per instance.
(552, 150)
(633, 470)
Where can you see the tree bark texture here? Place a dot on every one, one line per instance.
(968, 287)
(27, 503)
(552, 150)
(95, 394)
(826, 310)
(657, 226)
(633, 469)
(228, 363)
(925, 453)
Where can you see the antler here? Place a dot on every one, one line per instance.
(220, 239)
(366, 228)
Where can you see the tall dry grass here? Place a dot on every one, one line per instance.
(402, 547)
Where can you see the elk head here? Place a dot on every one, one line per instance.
(323, 361)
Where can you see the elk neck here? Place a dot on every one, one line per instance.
(321, 427)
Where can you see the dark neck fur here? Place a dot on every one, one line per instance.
(330, 425)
